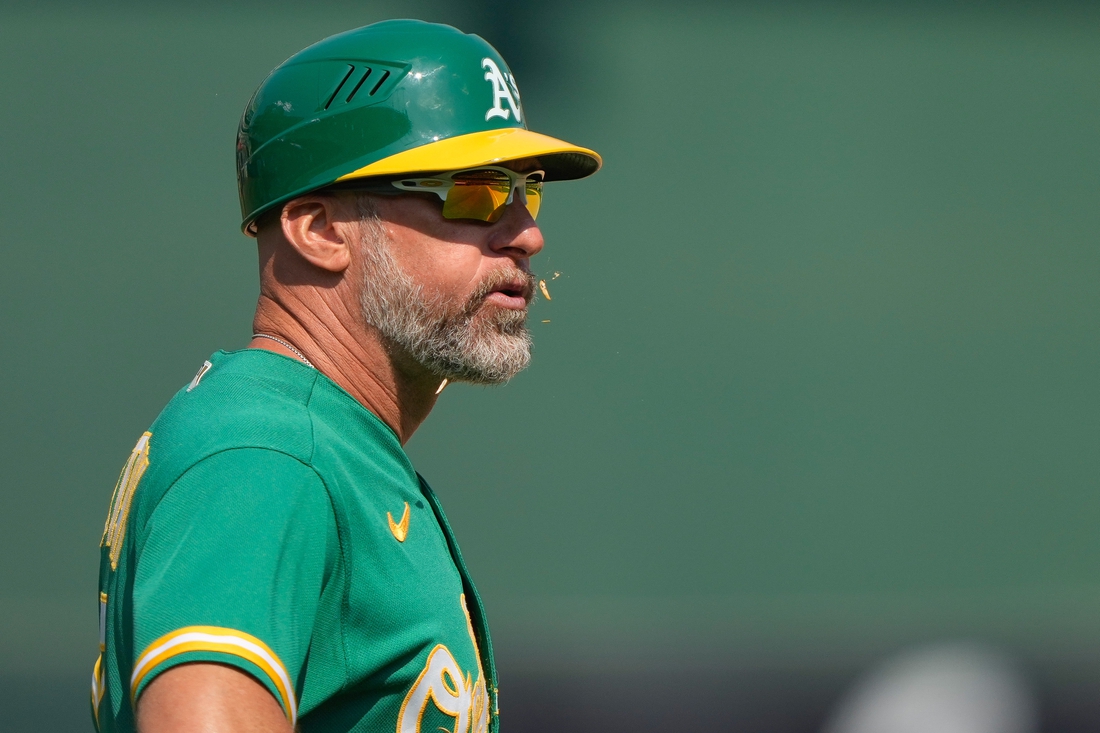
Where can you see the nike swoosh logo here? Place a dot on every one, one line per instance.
(400, 529)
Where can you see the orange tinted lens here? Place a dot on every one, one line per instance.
(477, 195)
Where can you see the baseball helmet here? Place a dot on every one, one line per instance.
(387, 99)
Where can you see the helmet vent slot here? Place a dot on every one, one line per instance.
(379, 84)
(353, 91)
(340, 86)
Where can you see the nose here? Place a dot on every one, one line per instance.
(516, 234)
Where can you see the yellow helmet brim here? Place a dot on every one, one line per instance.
(561, 160)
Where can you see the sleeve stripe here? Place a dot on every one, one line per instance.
(98, 688)
(225, 641)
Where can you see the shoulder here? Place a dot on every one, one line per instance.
(249, 407)
(243, 400)
(242, 492)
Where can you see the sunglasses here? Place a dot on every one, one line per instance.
(478, 193)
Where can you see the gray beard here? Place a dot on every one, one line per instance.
(468, 344)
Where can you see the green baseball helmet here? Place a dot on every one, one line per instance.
(392, 98)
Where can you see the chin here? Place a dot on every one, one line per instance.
(492, 358)
(508, 321)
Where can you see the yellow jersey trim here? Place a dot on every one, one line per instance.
(224, 641)
(471, 150)
(114, 532)
(102, 622)
(98, 688)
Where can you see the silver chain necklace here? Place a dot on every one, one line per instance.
(295, 351)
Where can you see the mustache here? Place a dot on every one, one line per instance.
(498, 279)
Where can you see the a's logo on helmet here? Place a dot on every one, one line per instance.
(504, 90)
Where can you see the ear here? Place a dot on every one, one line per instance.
(312, 225)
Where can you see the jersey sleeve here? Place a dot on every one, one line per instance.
(230, 569)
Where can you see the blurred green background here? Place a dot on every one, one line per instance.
(819, 381)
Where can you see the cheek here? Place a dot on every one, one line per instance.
(452, 270)
(446, 257)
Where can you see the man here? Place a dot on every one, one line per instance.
(271, 560)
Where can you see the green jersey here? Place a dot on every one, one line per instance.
(270, 522)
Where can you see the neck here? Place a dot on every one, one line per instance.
(352, 354)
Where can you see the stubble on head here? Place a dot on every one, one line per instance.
(466, 342)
